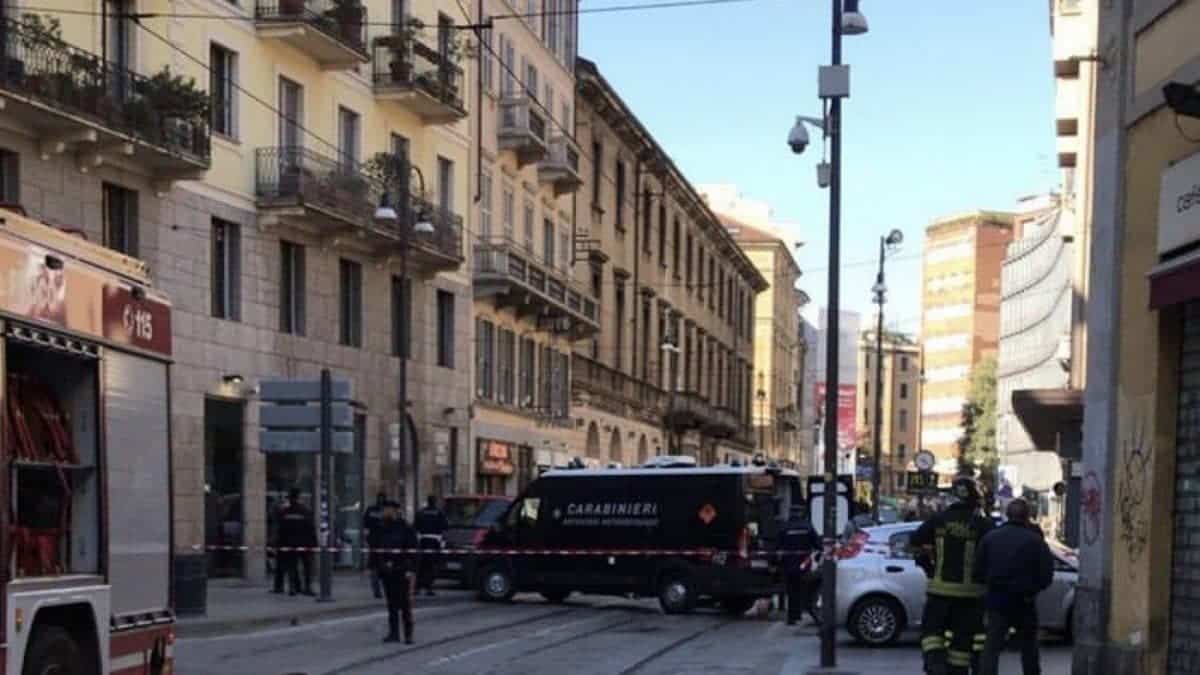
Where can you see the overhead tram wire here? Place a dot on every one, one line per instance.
(633, 7)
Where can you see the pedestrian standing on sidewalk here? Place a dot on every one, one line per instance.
(393, 559)
(952, 626)
(431, 525)
(1016, 564)
(798, 543)
(372, 521)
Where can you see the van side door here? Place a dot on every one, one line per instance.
(527, 535)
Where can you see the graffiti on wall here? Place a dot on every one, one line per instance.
(1133, 485)
(1093, 507)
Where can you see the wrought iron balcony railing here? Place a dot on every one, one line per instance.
(417, 75)
(601, 380)
(522, 129)
(339, 28)
(503, 264)
(560, 168)
(74, 83)
(292, 176)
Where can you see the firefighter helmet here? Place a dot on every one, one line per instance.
(965, 489)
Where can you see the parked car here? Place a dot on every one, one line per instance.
(881, 590)
(469, 517)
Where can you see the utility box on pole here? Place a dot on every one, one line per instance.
(310, 416)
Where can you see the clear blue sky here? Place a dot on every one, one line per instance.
(951, 109)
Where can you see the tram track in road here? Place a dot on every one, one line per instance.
(639, 665)
(405, 652)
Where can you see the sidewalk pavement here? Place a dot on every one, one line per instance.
(240, 605)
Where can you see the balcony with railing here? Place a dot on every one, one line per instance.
(418, 77)
(560, 168)
(515, 277)
(614, 390)
(522, 129)
(336, 201)
(332, 32)
(723, 422)
(76, 101)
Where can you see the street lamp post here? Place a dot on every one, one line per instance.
(850, 21)
(667, 348)
(886, 245)
(387, 214)
(761, 395)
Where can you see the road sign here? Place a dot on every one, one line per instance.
(922, 482)
(304, 416)
(301, 391)
(304, 441)
(925, 460)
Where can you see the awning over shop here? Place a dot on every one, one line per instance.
(1053, 418)
(1175, 281)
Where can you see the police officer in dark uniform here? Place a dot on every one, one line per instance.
(372, 521)
(797, 543)
(393, 562)
(295, 530)
(952, 634)
(431, 525)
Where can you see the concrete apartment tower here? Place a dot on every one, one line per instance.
(960, 323)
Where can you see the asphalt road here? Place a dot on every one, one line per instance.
(584, 636)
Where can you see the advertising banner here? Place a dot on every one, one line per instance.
(846, 409)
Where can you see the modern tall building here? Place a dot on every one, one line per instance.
(250, 187)
(900, 397)
(1037, 311)
(960, 324)
(671, 370)
(530, 306)
(778, 350)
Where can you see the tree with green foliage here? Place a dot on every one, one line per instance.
(977, 447)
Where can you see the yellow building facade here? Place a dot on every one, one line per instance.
(960, 319)
(251, 188)
(900, 398)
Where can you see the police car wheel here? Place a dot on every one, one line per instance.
(497, 585)
(676, 595)
(876, 621)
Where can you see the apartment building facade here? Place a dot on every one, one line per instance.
(252, 194)
(671, 371)
(530, 307)
(960, 322)
(778, 370)
(900, 398)
(778, 348)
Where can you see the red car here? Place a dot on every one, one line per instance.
(470, 517)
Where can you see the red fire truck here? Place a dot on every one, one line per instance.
(85, 458)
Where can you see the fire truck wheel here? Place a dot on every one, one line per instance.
(52, 651)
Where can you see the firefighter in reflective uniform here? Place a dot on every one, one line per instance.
(952, 633)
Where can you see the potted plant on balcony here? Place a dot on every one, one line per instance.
(36, 35)
(172, 105)
(349, 15)
(400, 45)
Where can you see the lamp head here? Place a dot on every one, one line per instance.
(385, 213)
(423, 226)
(853, 21)
(894, 238)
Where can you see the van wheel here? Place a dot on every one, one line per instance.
(496, 585)
(556, 596)
(737, 606)
(676, 594)
(876, 621)
(53, 651)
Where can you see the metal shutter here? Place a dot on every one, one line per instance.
(137, 449)
(1184, 644)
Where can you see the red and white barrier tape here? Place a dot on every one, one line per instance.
(810, 560)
